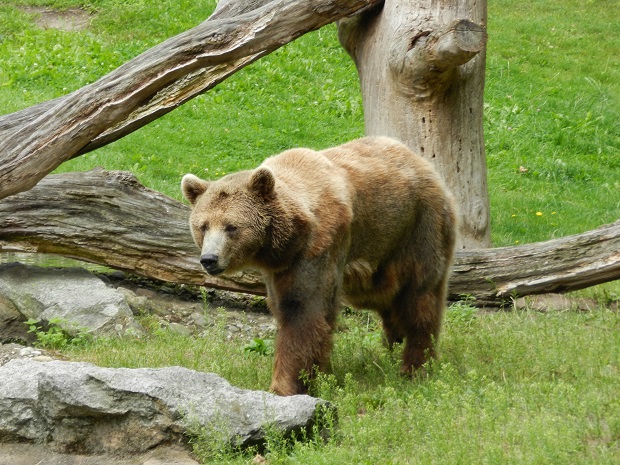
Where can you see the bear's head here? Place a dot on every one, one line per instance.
(230, 217)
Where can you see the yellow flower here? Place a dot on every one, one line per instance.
(538, 213)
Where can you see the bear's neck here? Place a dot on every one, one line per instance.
(287, 237)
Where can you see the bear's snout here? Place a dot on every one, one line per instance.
(210, 262)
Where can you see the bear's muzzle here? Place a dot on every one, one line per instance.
(210, 263)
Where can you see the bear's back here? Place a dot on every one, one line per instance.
(401, 211)
(374, 189)
(389, 185)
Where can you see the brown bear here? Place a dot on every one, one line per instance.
(368, 222)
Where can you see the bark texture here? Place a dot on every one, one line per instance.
(421, 68)
(33, 142)
(111, 219)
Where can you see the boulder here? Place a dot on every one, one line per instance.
(39, 454)
(73, 296)
(80, 408)
(12, 326)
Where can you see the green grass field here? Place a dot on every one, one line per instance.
(510, 388)
(552, 103)
(515, 387)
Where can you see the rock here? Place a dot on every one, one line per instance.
(148, 293)
(84, 409)
(12, 327)
(118, 275)
(29, 352)
(139, 304)
(39, 454)
(9, 352)
(12, 351)
(76, 297)
(198, 319)
(178, 328)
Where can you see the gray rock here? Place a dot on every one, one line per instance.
(178, 328)
(199, 319)
(39, 454)
(139, 304)
(12, 327)
(73, 295)
(29, 352)
(81, 408)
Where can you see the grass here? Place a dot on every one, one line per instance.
(552, 104)
(511, 387)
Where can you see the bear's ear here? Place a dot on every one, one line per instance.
(193, 187)
(262, 182)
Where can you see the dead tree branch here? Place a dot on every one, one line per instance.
(35, 141)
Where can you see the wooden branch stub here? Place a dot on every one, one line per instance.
(109, 218)
(416, 89)
(433, 57)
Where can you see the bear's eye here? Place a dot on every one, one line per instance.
(231, 229)
(205, 227)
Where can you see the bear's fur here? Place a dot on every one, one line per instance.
(369, 222)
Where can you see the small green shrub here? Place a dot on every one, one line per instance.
(463, 312)
(260, 347)
(56, 336)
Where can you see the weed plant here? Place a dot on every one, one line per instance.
(510, 387)
(58, 334)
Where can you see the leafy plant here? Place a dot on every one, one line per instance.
(260, 347)
(57, 336)
(463, 312)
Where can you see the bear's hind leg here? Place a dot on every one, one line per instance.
(392, 330)
(422, 316)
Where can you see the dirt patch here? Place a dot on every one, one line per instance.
(72, 19)
(29, 454)
(12, 351)
(192, 310)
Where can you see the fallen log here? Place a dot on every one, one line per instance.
(498, 275)
(109, 218)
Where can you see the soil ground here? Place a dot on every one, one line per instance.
(71, 19)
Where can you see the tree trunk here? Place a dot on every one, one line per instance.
(109, 218)
(33, 142)
(421, 67)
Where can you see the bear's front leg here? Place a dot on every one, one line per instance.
(304, 302)
(301, 347)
